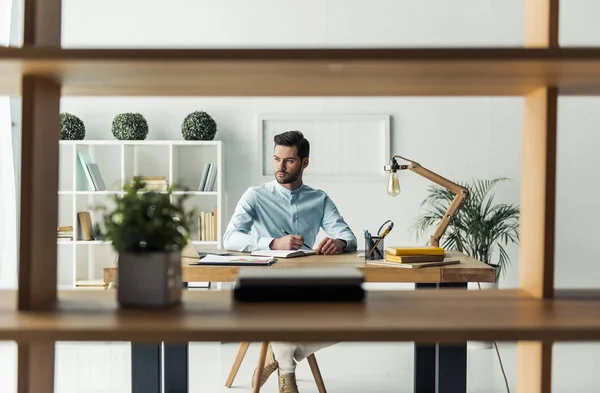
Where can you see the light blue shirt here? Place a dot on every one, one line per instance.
(265, 211)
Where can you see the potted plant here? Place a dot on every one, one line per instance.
(479, 229)
(71, 127)
(130, 126)
(148, 230)
(199, 126)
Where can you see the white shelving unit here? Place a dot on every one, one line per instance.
(182, 164)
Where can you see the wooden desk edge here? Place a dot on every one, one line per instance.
(380, 274)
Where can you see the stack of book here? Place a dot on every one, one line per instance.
(207, 226)
(414, 257)
(65, 232)
(154, 183)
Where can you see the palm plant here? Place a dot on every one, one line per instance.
(480, 226)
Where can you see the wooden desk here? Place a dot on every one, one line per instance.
(469, 270)
(432, 361)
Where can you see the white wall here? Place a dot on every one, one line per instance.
(291, 23)
(461, 138)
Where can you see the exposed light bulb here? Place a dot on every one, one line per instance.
(393, 187)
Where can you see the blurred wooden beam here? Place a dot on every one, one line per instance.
(36, 368)
(42, 24)
(538, 195)
(541, 23)
(39, 194)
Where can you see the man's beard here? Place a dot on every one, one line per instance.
(288, 177)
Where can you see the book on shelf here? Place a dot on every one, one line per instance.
(153, 183)
(96, 177)
(209, 176)
(207, 226)
(92, 172)
(150, 178)
(86, 230)
(64, 232)
(204, 176)
(84, 160)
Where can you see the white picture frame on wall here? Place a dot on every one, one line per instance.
(346, 146)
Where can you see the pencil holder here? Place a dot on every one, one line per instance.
(374, 248)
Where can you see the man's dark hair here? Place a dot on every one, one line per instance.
(294, 138)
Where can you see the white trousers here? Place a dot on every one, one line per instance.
(288, 354)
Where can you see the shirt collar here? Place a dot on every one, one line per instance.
(287, 192)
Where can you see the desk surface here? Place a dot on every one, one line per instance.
(469, 270)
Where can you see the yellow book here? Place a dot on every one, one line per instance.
(413, 258)
(415, 250)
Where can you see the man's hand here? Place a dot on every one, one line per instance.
(329, 246)
(289, 242)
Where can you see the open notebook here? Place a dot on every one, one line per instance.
(282, 253)
(226, 260)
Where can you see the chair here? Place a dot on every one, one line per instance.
(262, 357)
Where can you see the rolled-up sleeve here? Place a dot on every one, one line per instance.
(336, 228)
(237, 235)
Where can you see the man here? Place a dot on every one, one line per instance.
(283, 215)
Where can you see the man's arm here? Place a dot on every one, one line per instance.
(237, 236)
(336, 228)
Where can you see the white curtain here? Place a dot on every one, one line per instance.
(8, 223)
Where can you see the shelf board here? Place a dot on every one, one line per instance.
(98, 192)
(92, 242)
(204, 242)
(420, 316)
(305, 72)
(196, 192)
(182, 143)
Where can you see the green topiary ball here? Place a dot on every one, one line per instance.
(198, 126)
(71, 127)
(130, 126)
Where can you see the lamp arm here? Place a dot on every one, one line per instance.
(461, 195)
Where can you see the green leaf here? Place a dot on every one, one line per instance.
(147, 221)
(480, 228)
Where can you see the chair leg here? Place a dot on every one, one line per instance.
(269, 353)
(237, 363)
(314, 367)
(262, 357)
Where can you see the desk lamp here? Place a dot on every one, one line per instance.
(461, 193)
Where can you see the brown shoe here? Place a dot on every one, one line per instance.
(287, 383)
(266, 372)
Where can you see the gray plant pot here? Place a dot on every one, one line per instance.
(149, 280)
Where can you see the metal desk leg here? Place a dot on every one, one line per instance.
(176, 365)
(176, 368)
(452, 360)
(441, 368)
(425, 360)
(145, 368)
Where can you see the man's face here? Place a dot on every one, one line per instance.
(287, 166)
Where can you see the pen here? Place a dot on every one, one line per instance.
(305, 245)
(384, 234)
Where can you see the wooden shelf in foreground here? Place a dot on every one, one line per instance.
(306, 72)
(423, 315)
